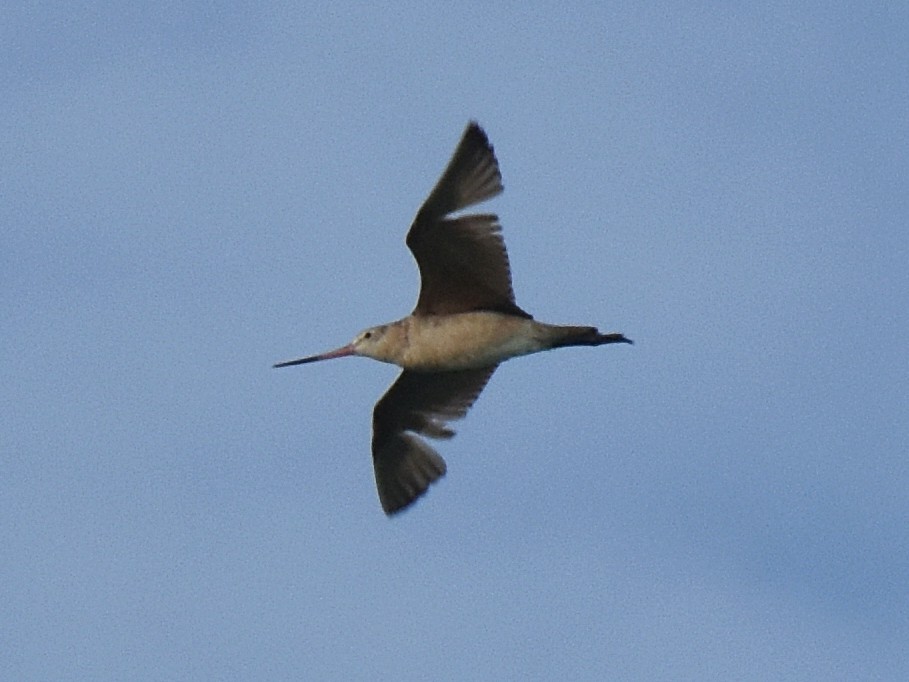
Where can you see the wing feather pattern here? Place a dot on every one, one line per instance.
(418, 404)
(463, 262)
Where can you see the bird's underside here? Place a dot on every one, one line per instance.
(464, 324)
(463, 269)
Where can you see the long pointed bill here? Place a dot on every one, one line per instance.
(341, 352)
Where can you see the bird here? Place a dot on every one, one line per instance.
(465, 323)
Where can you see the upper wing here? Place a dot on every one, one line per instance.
(418, 403)
(463, 263)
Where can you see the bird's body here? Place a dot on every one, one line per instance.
(465, 323)
(441, 343)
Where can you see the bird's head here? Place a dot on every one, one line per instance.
(371, 343)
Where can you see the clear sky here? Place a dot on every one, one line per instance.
(189, 193)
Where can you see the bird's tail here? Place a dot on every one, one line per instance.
(582, 336)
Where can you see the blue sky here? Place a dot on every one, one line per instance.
(189, 193)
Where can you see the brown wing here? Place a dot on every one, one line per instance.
(418, 403)
(463, 262)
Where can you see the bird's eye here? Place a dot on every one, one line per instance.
(367, 335)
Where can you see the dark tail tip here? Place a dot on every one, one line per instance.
(613, 338)
(587, 336)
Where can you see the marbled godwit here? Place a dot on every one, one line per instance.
(465, 323)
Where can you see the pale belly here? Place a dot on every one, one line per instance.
(466, 341)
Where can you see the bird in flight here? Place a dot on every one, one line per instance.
(465, 323)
